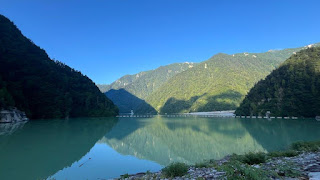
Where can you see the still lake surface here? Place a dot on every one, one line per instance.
(103, 148)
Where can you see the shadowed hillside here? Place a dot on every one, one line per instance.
(43, 88)
(127, 102)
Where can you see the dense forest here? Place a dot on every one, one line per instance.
(219, 83)
(129, 92)
(293, 89)
(43, 88)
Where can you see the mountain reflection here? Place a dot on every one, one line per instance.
(190, 140)
(41, 148)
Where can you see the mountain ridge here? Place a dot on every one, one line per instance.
(43, 88)
(290, 90)
(219, 83)
(133, 89)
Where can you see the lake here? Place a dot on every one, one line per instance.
(103, 148)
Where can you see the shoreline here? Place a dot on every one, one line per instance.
(300, 161)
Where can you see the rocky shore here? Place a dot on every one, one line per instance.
(12, 115)
(302, 163)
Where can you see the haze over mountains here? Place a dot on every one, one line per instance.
(219, 83)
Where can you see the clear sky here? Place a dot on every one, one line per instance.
(106, 39)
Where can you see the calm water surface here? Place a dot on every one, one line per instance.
(102, 148)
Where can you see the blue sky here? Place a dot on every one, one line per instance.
(106, 39)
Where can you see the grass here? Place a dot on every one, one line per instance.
(251, 158)
(175, 169)
(239, 167)
(306, 146)
(236, 170)
(288, 170)
(286, 153)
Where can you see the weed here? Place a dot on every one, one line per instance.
(175, 169)
(235, 170)
(287, 153)
(306, 146)
(250, 158)
(124, 176)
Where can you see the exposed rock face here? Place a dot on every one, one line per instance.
(12, 115)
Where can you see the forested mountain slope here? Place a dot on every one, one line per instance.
(219, 83)
(133, 89)
(293, 89)
(43, 88)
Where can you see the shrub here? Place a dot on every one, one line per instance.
(124, 176)
(175, 169)
(205, 164)
(306, 146)
(235, 170)
(287, 153)
(288, 169)
(251, 158)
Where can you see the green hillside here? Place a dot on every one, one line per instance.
(140, 86)
(219, 83)
(291, 90)
(43, 88)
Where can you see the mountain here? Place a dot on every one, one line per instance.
(140, 85)
(293, 89)
(43, 88)
(220, 83)
(127, 102)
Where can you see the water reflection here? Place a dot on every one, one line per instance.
(108, 147)
(41, 148)
(190, 140)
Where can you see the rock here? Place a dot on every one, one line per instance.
(12, 115)
(256, 166)
(314, 176)
(313, 168)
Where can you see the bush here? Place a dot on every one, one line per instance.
(251, 158)
(237, 171)
(287, 153)
(288, 170)
(306, 146)
(124, 176)
(175, 169)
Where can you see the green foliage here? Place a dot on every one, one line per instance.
(124, 176)
(291, 90)
(175, 169)
(235, 170)
(219, 83)
(43, 88)
(251, 158)
(288, 170)
(286, 153)
(138, 86)
(306, 146)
